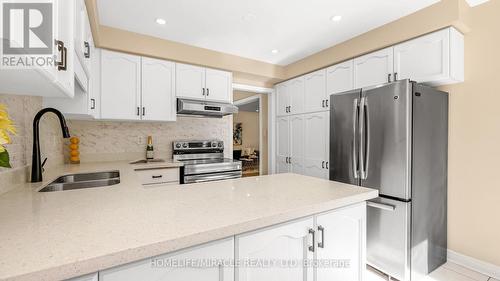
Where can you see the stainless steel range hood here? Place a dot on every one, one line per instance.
(204, 108)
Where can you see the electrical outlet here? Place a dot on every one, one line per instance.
(141, 140)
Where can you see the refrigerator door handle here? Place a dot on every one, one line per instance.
(382, 206)
(362, 137)
(355, 120)
(366, 137)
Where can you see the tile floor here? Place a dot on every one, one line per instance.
(447, 272)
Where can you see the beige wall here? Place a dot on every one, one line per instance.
(251, 132)
(238, 95)
(21, 110)
(474, 141)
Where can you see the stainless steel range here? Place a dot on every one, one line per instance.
(204, 161)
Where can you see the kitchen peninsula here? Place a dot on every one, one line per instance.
(115, 230)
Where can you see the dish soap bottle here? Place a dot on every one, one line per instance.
(149, 149)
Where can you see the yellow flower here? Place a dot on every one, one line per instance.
(5, 126)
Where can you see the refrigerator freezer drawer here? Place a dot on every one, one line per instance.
(388, 237)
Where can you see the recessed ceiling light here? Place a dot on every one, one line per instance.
(336, 18)
(161, 21)
(274, 51)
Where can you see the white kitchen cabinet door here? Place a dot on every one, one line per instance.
(94, 104)
(120, 86)
(158, 90)
(374, 69)
(296, 95)
(282, 144)
(297, 144)
(286, 242)
(429, 59)
(82, 35)
(88, 277)
(315, 91)
(340, 78)
(157, 268)
(190, 81)
(316, 144)
(219, 85)
(64, 32)
(341, 236)
(283, 99)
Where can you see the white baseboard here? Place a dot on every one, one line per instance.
(485, 268)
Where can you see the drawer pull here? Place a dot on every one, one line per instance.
(157, 177)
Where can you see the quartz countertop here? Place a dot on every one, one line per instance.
(59, 235)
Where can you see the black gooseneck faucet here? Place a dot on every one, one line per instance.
(36, 165)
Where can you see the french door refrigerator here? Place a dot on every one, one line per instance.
(394, 138)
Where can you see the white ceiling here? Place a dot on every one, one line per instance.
(253, 28)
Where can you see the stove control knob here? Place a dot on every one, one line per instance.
(185, 145)
(214, 144)
(178, 145)
(220, 144)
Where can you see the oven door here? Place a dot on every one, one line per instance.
(212, 177)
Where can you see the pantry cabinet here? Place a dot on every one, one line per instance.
(201, 83)
(290, 98)
(434, 59)
(289, 242)
(283, 99)
(283, 144)
(163, 268)
(290, 140)
(120, 86)
(340, 78)
(374, 68)
(315, 94)
(316, 144)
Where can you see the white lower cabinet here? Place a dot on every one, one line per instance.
(88, 277)
(284, 243)
(342, 238)
(185, 265)
(296, 139)
(283, 147)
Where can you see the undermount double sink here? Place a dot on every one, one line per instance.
(85, 180)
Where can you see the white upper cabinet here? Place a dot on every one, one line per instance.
(315, 97)
(316, 130)
(219, 85)
(296, 95)
(158, 90)
(120, 86)
(82, 35)
(190, 81)
(342, 237)
(283, 99)
(434, 59)
(340, 78)
(201, 83)
(286, 242)
(64, 33)
(222, 251)
(374, 69)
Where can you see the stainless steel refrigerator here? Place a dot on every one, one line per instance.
(394, 138)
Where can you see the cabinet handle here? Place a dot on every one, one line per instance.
(143, 111)
(203, 91)
(92, 103)
(63, 64)
(157, 177)
(208, 91)
(289, 160)
(395, 76)
(327, 165)
(322, 243)
(326, 103)
(322, 164)
(87, 50)
(323, 103)
(389, 78)
(138, 111)
(312, 232)
(290, 109)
